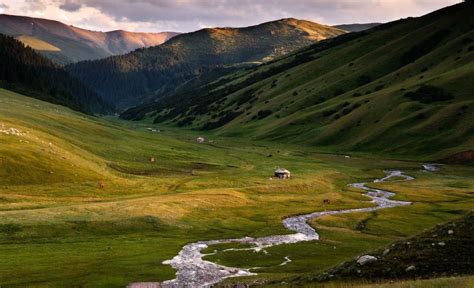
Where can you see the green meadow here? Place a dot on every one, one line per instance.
(59, 229)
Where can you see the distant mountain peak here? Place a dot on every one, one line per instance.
(77, 44)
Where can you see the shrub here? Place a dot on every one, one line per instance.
(424, 47)
(364, 79)
(429, 94)
(229, 116)
(263, 114)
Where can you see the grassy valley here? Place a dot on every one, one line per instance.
(52, 207)
(102, 201)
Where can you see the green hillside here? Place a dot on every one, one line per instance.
(148, 74)
(403, 88)
(25, 71)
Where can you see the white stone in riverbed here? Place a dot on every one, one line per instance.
(365, 259)
(410, 268)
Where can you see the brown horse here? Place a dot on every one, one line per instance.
(101, 185)
(326, 201)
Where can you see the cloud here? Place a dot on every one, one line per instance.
(70, 6)
(189, 15)
(3, 7)
(36, 5)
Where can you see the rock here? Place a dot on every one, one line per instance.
(410, 268)
(200, 139)
(441, 244)
(362, 260)
(385, 252)
(450, 232)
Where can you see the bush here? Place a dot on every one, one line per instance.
(429, 94)
(364, 79)
(10, 228)
(263, 114)
(424, 47)
(229, 116)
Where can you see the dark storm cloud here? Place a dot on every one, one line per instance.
(70, 5)
(190, 14)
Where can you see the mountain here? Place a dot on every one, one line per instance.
(402, 88)
(25, 71)
(357, 27)
(66, 44)
(147, 74)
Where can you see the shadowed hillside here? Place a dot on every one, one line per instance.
(26, 71)
(147, 74)
(357, 27)
(402, 88)
(446, 250)
(65, 44)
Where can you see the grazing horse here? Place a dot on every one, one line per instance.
(152, 160)
(101, 185)
(326, 201)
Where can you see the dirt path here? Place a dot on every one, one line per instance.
(193, 271)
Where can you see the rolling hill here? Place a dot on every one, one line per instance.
(147, 74)
(26, 71)
(403, 88)
(357, 27)
(66, 44)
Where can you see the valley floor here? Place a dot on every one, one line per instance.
(59, 229)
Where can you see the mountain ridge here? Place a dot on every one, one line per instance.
(148, 74)
(357, 27)
(78, 44)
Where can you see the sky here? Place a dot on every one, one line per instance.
(191, 15)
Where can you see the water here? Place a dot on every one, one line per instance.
(193, 271)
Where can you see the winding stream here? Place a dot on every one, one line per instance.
(193, 271)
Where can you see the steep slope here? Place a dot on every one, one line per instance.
(147, 74)
(403, 87)
(357, 27)
(24, 70)
(75, 44)
(446, 250)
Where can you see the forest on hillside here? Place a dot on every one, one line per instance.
(25, 71)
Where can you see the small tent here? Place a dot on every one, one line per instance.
(282, 173)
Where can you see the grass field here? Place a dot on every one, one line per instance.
(57, 228)
(37, 44)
